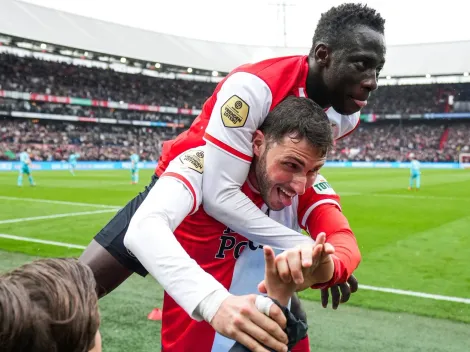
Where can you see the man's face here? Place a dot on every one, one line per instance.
(284, 170)
(352, 72)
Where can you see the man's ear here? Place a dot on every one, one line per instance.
(258, 142)
(322, 54)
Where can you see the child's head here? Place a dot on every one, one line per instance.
(49, 305)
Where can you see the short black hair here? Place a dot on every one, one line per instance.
(337, 22)
(299, 118)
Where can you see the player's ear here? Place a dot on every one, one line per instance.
(258, 142)
(322, 54)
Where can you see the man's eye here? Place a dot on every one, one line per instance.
(290, 165)
(361, 65)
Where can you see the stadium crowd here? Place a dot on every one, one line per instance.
(9, 105)
(394, 142)
(33, 75)
(387, 141)
(55, 141)
(384, 141)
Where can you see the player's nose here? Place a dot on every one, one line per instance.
(370, 82)
(299, 184)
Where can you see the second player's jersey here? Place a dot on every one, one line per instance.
(73, 158)
(241, 102)
(234, 261)
(135, 159)
(24, 158)
(415, 167)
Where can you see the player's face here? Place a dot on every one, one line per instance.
(284, 170)
(352, 73)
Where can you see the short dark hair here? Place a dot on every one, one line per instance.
(299, 118)
(49, 305)
(337, 22)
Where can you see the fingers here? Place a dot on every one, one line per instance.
(328, 249)
(276, 314)
(283, 267)
(268, 330)
(321, 238)
(262, 287)
(345, 292)
(324, 297)
(240, 320)
(269, 257)
(295, 265)
(353, 284)
(250, 343)
(306, 255)
(335, 296)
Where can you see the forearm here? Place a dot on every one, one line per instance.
(329, 219)
(151, 239)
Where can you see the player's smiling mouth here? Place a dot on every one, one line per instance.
(285, 196)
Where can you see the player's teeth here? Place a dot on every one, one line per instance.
(286, 193)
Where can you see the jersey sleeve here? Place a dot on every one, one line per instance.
(342, 125)
(188, 169)
(320, 211)
(150, 237)
(242, 104)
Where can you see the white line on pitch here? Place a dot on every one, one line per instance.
(362, 287)
(60, 202)
(35, 240)
(410, 196)
(416, 294)
(55, 216)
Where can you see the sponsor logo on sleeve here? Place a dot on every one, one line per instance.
(234, 112)
(321, 186)
(194, 160)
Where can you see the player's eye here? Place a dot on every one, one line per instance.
(360, 65)
(290, 165)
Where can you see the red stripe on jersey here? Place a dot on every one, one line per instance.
(227, 148)
(187, 183)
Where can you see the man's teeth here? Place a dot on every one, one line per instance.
(289, 194)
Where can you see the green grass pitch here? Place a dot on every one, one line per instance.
(411, 241)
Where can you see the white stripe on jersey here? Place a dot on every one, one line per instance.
(314, 205)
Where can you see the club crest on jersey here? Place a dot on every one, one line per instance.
(194, 160)
(321, 186)
(234, 112)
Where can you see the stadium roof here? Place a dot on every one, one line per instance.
(39, 23)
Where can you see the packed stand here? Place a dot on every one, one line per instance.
(56, 140)
(459, 138)
(416, 99)
(395, 141)
(380, 141)
(61, 79)
(9, 105)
